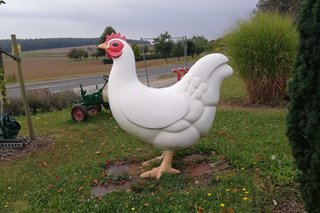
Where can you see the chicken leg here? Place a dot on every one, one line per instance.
(156, 159)
(165, 167)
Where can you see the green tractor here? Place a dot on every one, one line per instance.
(91, 102)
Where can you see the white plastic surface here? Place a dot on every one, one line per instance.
(152, 108)
(170, 118)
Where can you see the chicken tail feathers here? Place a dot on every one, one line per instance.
(211, 69)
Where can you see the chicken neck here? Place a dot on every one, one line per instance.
(123, 71)
(165, 167)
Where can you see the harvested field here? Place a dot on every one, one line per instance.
(53, 64)
(45, 68)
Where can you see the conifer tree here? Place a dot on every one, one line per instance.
(107, 31)
(282, 6)
(303, 120)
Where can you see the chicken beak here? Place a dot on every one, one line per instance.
(103, 46)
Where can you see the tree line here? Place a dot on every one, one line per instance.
(48, 43)
(163, 46)
(166, 46)
(284, 7)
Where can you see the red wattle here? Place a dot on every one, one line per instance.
(112, 54)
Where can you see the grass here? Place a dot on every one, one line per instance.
(233, 88)
(58, 179)
(51, 179)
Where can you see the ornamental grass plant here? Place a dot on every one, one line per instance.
(263, 50)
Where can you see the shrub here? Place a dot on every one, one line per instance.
(136, 50)
(303, 120)
(62, 100)
(42, 100)
(39, 100)
(107, 61)
(263, 50)
(77, 54)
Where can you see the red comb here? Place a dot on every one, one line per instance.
(112, 36)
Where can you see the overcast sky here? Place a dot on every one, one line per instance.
(132, 18)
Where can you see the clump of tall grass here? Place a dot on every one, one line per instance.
(263, 50)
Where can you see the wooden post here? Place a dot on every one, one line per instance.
(22, 86)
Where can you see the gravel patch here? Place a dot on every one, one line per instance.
(29, 146)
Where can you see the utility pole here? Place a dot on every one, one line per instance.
(22, 86)
(144, 61)
(185, 50)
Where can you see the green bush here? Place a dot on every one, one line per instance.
(263, 50)
(136, 50)
(107, 61)
(77, 54)
(42, 100)
(303, 121)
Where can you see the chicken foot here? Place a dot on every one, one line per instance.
(165, 167)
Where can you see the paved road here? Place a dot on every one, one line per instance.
(13, 90)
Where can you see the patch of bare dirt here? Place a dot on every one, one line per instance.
(287, 200)
(121, 176)
(8, 154)
(289, 206)
(244, 103)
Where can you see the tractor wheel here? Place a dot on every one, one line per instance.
(106, 105)
(79, 113)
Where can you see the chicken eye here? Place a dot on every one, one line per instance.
(115, 44)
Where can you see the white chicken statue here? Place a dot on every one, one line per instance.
(170, 118)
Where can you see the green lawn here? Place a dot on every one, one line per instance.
(58, 179)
